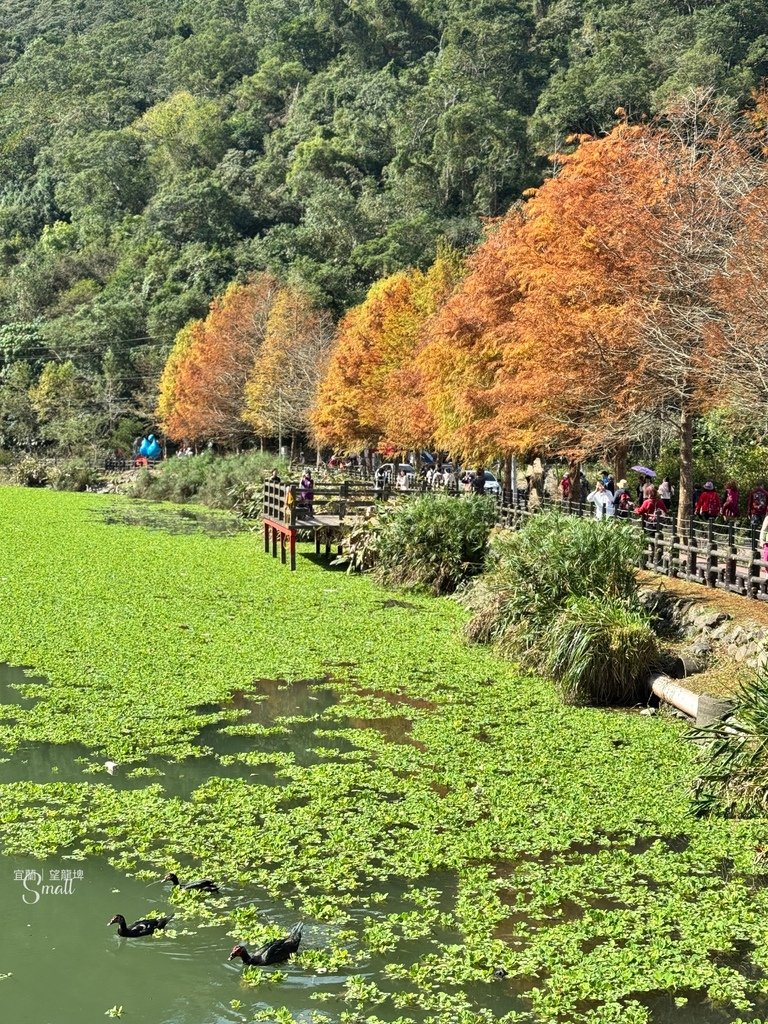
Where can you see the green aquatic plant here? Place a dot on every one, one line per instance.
(431, 811)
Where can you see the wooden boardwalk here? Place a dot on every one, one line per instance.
(717, 555)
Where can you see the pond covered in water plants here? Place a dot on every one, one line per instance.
(56, 908)
(434, 816)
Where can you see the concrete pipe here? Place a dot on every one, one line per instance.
(678, 696)
(701, 708)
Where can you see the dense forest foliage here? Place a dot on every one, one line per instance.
(150, 154)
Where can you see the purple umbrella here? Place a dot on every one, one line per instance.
(644, 469)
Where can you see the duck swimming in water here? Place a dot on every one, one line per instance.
(199, 885)
(137, 930)
(276, 951)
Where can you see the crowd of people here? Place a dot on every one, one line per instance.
(653, 502)
(648, 500)
(435, 477)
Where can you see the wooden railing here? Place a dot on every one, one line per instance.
(722, 555)
(287, 503)
(726, 556)
(320, 510)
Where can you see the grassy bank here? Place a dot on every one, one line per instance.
(219, 481)
(578, 868)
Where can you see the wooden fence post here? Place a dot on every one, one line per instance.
(711, 555)
(644, 552)
(753, 583)
(730, 565)
(658, 546)
(693, 552)
(674, 553)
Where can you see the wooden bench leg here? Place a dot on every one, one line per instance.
(282, 548)
(266, 538)
(274, 542)
(293, 550)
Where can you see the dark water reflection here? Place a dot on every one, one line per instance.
(172, 520)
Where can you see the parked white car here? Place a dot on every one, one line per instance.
(492, 485)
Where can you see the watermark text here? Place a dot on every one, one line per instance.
(52, 882)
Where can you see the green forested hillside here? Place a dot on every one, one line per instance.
(152, 152)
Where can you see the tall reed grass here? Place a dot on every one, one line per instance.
(434, 542)
(561, 594)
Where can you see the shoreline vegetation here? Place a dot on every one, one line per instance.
(580, 871)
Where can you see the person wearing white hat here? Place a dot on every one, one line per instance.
(622, 499)
(708, 505)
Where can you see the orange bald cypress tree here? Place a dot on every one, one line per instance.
(593, 312)
(347, 412)
(462, 348)
(179, 395)
(408, 423)
(514, 359)
(202, 394)
(621, 310)
(742, 291)
(286, 372)
(372, 394)
(583, 259)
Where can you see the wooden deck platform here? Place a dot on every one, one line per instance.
(285, 513)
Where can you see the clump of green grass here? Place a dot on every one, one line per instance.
(600, 652)
(74, 474)
(218, 481)
(561, 593)
(434, 542)
(531, 574)
(30, 471)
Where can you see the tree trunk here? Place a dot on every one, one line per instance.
(508, 484)
(536, 482)
(574, 472)
(620, 463)
(686, 470)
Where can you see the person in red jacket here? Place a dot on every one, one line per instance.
(730, 509)
(708, 505)
(757, 503)
(652, 508)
